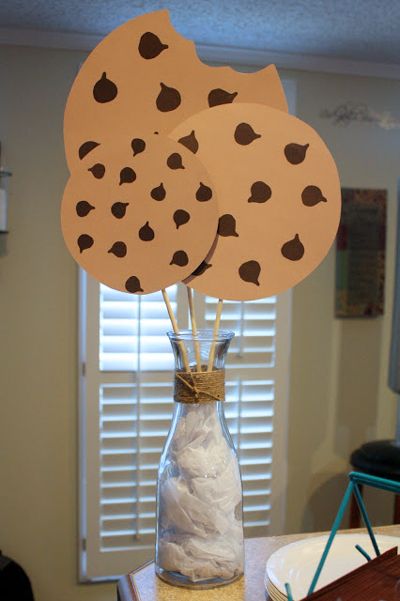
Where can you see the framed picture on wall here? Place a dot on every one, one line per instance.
(360, 253)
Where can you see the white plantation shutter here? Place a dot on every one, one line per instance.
(126, 409)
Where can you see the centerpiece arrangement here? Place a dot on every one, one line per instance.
(182, 172)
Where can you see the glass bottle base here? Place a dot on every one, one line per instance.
(178, 579)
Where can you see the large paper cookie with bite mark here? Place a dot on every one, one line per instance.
(140, 214)
(145, 75)
(278, 198)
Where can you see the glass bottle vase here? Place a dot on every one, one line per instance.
(199, 491)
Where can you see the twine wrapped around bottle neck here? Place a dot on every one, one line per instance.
(199, 386)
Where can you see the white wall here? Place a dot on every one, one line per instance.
(338, 383)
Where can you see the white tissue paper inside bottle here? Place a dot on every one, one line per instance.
(200, 511)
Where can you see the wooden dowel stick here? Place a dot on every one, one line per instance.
(176, 329)
(194, 328)
(215, 334)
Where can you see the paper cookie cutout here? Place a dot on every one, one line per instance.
(145, 75)
(278, 198)
(140, 214)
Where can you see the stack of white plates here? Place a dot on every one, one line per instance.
(296, 563)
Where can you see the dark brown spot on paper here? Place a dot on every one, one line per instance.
(181, 217)
(138, 145)
(118, 249)
(84, 242)
(179, 258)
(227, 226)
(174, 161)
(146, 233)
(219, 96)
(127, 176)
(133, 285)
(295, 153)
(98, 170)
(293, 249)
(104, 90)
(86, 147)
(150, 45)
(250, 272)
(168, 99)
(245, 134)
(201, 268)
(190, 142)
(158, 193)
(311, 196)
(83, 208)
(204, 193)
(119, 209)
(260, 192)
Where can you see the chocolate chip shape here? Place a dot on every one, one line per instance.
(159, 192)
(245, 134)
(179, 258)
(227, 226)
(104, 90)
(181, 217)
(260, 192)
(201, 268)
(293, 249)
(174, 161)
(146, 233)
(190, 142)
(126, 176)
(118, 249)
(311, 196)
(204, 193)
(138, 145)
(168, 99)
(132, 284)
(83, 208)
(150, 45)
(86, 147)
(98, 170)
(84, 242)
(250, 272)
(119, 209)
(295, 153)
(220, 96)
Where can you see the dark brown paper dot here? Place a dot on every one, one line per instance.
(159, 192)
(98, 170)
(227, 226)
(174, 161)
(201, 268)
(295, 153)
(84, 242)
(179, 258)
(204, 193)
(311, 196)
(86, 147)
(119, 209)
(150, 45)
(260, 192)
(219, 96)
(181, 217)
(190, 142)
(293, 249)
(83, 208)
(168, 99)
(127, 176)
(146, 233)
(104, 90)
(118, 249)
(137, 145)
(250, 272)
(245, 134)
(132, 285)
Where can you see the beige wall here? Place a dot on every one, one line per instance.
(338, 385)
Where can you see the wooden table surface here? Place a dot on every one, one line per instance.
(143, 585)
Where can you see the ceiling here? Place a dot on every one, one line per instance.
(362, 30)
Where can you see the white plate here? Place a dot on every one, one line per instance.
(296, 563)
(274, 594)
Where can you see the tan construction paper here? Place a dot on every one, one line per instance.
(140, 213)
(278, 196)
(146, 76)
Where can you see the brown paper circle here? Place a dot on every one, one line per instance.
(134, 220)
(145, 75)
(278, 199)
